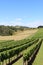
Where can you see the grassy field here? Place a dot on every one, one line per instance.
(39, 57)
(39, 33)
(20, 35)
(33, 34)
(19, 62)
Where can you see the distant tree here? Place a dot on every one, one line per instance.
(40, 26)
(11, 32)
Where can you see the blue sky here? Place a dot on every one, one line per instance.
(21, 12)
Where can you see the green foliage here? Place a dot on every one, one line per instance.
(9, 30)
(8, 49)
(16, 51)
(39, 34)
(27, 54)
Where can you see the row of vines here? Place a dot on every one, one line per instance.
(13, 48)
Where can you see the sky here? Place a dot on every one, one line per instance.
(21, 12)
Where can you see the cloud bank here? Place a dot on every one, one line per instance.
(20, 22)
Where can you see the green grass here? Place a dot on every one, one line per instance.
(19, 62)
(39, 33)
(39, 57)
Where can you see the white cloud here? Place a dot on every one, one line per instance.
(16, 23)
(34, 23)
(12, 23)
(29, 23)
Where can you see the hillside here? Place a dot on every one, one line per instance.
(9, 30)
(20, 35)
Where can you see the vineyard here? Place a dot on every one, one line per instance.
(28, 51)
